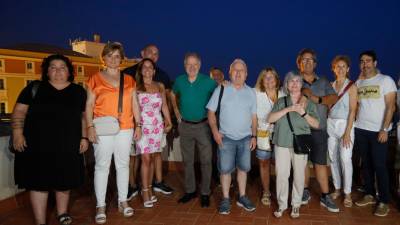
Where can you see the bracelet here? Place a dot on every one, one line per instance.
(253, 136)
(304, 114)
(85, 138)
(90, 126)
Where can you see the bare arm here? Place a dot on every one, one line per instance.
(165, 110)
(253, 143)
(136, 116)
(90, 101)
(390, 99)
(17, 124)
(275, 116)
(351, 117)
(325, 100)
(175, 106)
(84, 144)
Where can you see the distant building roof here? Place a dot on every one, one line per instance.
(45, 48)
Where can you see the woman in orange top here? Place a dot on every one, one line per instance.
(102, 100)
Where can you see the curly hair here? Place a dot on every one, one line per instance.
(46, 64)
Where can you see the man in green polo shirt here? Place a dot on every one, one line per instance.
(194, 90)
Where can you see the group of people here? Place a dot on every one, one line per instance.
(54, 120)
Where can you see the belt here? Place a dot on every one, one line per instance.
(194, 122)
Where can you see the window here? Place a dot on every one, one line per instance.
(1, 65)
(2, 108)
(30, 67)
(2, 86)
(80, 70)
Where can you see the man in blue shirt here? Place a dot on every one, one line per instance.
(236, 137)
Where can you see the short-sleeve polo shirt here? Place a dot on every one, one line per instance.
(193, 96)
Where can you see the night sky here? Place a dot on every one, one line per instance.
(263, 33)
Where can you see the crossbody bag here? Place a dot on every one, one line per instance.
(109, 125)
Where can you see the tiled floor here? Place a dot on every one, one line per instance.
(168, 212)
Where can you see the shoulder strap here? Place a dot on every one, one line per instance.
(121, 93)
(221, 92)
(288, 116)
(344, 91)
(35, 87)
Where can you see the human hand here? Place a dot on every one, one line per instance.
(307, 92)
(346, 140)
(167, 127)
(382, 136)
(137, 134)
(92, 136)
(253, 143)
(19, 142)
(218, 138)
(84, 145)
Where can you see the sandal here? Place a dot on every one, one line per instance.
(64, 219)
(266, 198)
(148, 203)
(100, 217)
(348, 202)
(126, 211)
(335, 194)
(153, 198)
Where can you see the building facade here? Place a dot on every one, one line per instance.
(20, 65)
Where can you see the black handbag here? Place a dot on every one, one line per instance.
(302, 143)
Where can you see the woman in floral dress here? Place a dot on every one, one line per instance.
(152, 101)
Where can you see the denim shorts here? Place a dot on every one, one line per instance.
(234, 154)
(264, 155)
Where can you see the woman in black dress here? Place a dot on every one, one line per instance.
(49, 136)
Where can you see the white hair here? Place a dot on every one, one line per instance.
(237, 60)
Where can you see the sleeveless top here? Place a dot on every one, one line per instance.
(342, 107)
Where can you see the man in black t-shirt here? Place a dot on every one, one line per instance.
(150, 51)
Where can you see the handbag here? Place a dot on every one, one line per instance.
(218, 111)
(35, 87)
(109, 125)
(302, 143)
(263, 138)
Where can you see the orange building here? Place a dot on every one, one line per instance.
(20, 64)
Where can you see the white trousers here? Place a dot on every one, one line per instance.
(340, 157)
(284, 158)
(118, 145)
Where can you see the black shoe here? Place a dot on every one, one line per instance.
(132, 192)
(187, 197)
(205, 201)
(163, 188)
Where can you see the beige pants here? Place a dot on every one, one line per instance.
(284, 159)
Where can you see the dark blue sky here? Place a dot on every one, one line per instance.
(263, 33)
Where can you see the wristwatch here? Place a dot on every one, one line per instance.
(319, 100)
(386, 129)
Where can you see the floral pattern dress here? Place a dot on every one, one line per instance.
(152, 123)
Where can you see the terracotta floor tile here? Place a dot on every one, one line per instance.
(168, 212)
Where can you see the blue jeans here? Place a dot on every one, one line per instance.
(234, 154)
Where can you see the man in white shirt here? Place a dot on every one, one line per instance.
(376, 98)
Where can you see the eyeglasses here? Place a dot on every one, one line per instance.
(304, 60)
